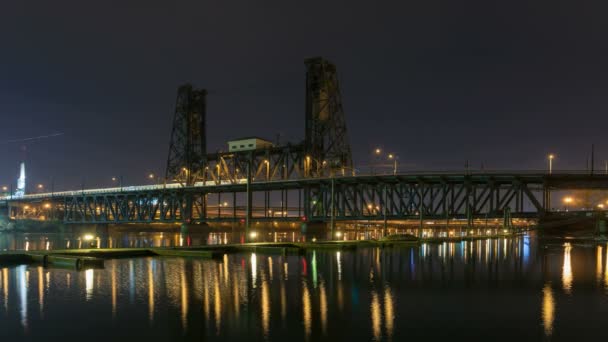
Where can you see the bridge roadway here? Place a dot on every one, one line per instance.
(422, 195)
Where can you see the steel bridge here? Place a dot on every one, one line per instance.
(312, 181)
(432, 196)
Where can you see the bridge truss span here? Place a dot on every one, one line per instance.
(342, 198)
(431, 197)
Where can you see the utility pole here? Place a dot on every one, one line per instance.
(249, 200)
(592, 158)
(385, 210)
(332, 224)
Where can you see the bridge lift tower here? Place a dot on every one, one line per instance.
(326, 138)
(188, 146)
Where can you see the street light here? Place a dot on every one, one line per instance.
(119, 180)
(551, 157)
(40, 187)
(568, 200)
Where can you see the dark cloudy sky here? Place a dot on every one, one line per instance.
(436, 81)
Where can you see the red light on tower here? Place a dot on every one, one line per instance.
(304, 219)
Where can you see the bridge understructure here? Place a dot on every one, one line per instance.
(340, 198)
(315, 199)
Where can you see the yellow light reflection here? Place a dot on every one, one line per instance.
(184, 297)
(376, 315)
(226, 268)
(114, 289)
(307, 310)
(548, 309)
(567, 269)
(218, 305)
(150, 292)
(323, 308)
(598, 264)
(265, 307)
(270, 267)
(41, 291)
(89, 277)
(5, 287)
(389, 311)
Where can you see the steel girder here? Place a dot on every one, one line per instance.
(424, 197)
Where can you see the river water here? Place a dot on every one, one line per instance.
(495, 289)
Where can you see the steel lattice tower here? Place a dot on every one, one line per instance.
(326, 142)
(188, 147)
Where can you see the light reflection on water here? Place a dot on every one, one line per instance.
(122, 239)
(371, 294)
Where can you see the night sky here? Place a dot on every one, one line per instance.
(436, 82)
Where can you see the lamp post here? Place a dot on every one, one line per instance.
(394, 158)
(377, 153)
(551, 157)
(119, 180)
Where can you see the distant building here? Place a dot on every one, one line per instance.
(20, 192)
(248, 144)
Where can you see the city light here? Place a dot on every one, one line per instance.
(151, 176)
(378, 151)
(47, 205)
(551, 157)
(88, 237)
(4, 188)
(40, 186)
(601, 206)
(253, 235)
(568, 200)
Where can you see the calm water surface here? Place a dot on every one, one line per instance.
(498, 289)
